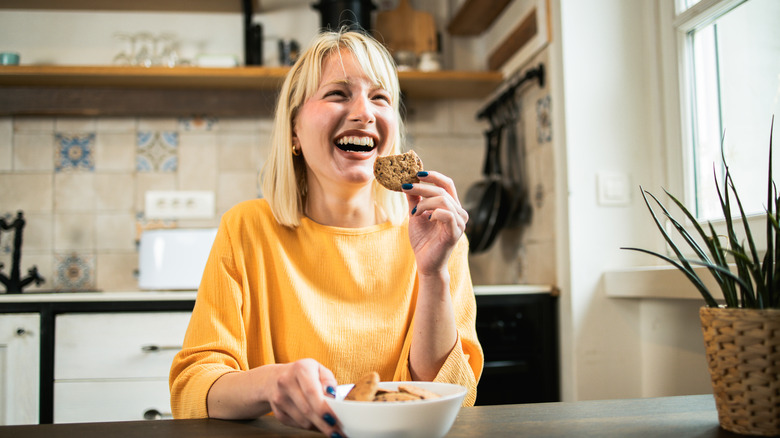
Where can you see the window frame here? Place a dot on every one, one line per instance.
(675, 73)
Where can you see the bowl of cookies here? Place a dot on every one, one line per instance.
(373, 409)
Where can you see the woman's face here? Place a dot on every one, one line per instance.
(344, 125)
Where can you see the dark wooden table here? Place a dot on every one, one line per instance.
(665, 417)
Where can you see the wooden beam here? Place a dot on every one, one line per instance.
(519, 37)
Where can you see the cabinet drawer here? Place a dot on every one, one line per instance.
(90, 401)
(117, 345)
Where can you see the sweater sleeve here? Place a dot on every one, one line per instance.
(214, 343)
(464, 364)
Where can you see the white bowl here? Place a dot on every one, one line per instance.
(420, 418)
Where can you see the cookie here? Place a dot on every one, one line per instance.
(394, 170)
(365, 388)
(395, 397)
(419, 392)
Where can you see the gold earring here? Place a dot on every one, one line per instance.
(296, 152)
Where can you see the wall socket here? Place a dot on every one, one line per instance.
(179, 204)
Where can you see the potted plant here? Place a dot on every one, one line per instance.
(741, 335)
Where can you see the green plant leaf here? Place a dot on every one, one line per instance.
(687, 271)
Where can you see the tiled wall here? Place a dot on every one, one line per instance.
(81, 182)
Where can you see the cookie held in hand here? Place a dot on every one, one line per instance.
(392, 171)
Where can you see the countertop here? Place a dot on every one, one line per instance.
(664, 417)
(189, 295)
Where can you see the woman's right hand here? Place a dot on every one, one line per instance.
(295, 392)
(297, 396)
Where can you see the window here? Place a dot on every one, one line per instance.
(730, 65)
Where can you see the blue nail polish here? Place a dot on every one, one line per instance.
(414, 210)
(422, 173)
(336, 435)
(406, 186)
(329, 419)
(331, 390)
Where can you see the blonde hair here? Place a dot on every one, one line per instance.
(284, 175)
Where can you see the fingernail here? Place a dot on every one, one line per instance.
(422, 173)
(406, 186)
(336, 435)
(414, 210)
(331, 390)
(329, 419)
(430, 216)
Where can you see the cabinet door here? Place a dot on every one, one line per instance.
(19, 368)
(105, 400)
(117, 345)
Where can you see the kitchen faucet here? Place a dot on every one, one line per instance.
(15, 284)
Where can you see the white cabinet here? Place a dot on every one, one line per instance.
(19, 368)
(114, 366)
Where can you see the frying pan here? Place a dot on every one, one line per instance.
(520, 211)
(487, 201)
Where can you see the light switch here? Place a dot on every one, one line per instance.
(613, 188)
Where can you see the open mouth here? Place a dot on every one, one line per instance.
(355, 144)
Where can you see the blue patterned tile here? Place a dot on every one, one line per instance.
(74, 152)
(74, 272)
(157, 151)
(543, 120)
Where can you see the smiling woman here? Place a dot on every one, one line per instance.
(331, 275)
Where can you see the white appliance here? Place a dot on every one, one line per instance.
(173, 259)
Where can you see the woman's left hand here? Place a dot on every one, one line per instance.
(437, 220)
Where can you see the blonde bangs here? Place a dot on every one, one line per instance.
(284, 176)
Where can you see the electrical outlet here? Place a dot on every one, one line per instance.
(179, 204)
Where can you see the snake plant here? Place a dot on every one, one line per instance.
(755, 279)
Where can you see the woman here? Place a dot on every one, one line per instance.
(330, 275)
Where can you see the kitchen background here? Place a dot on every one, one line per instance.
(81, 180)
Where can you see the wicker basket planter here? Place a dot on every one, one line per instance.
(743, 353)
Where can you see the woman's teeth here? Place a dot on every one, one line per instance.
(354, 143)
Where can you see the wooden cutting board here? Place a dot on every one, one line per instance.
(404, 28)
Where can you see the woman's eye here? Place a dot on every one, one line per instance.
(337, 93)
(381, 96)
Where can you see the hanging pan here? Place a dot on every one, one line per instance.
(487, 201)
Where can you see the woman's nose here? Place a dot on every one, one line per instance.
(360, 111)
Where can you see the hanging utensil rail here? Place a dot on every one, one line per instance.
(507, 91)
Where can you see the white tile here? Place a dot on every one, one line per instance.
(239, 151)
(158, 124)
(116, 124)
(115, 231)
(74, 192)
(115, 151)
(75, 124)
(38, 233)
(460, 158)
(30, 192)
(6, 144)
(427, 117)
(114, 192)
(464, 117)
(198, 161)
(74, 231)
(33, 124)
(116, 271)
(33, 151)
(234, 187)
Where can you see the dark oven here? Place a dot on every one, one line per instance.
(519, 335)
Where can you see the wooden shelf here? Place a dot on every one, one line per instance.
(475, 16)
(114, 90)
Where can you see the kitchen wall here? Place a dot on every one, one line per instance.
(610, 120)
(81, 180)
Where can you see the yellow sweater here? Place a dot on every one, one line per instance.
(345, 297)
